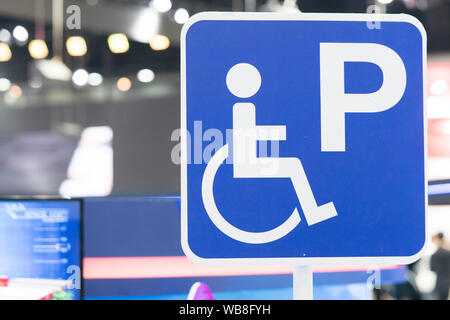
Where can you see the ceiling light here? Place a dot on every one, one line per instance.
(162, 5)
(20, 34)
(15, 91)
(95, 79)
(5, 52)
(437, 108)
(35, 82)
(76, 46)
(181, 15)
(146, 24)
(118, 43)
(124, 84)
(38, 49)
(438, 87)
(80, 77)
(5, 36)
(159, 42)
(384, 1)
(446, 127)
(145, 75)
(5, 84)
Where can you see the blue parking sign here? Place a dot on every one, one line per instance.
(303, 138)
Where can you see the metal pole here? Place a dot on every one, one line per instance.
(303, 283)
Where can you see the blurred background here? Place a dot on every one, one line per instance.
(89, 107)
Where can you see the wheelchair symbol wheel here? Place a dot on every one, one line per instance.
(222, 224)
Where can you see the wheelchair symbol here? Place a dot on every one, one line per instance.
(244, 80)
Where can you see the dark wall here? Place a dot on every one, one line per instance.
(143, 147)
(141, 144)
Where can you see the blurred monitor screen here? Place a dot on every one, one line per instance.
(40, 249)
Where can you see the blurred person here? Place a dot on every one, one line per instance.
(408, 290)
(440, 264)
(384, 292)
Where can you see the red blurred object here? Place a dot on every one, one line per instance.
(3, 281)
(47, 297)
(439, 138)
(438, 113)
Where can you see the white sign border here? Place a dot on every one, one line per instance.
(381, 260)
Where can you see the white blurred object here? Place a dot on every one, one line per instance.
(54, 69)
(95, 79)
(80, 77)
(439, 87)
(161, 5)
(438, 168)
(145, 75)
(181, 15)
(5, 84)
(438, 221)
(287, 6)
(90, 171)
(5, 36)
(437, 107)
(20, 34)
(32, 289)
(425, 279)
(146, 25)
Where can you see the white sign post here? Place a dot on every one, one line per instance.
(343, 103)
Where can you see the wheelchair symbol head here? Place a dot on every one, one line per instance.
(243, 80)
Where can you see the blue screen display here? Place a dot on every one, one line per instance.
(41, 240)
